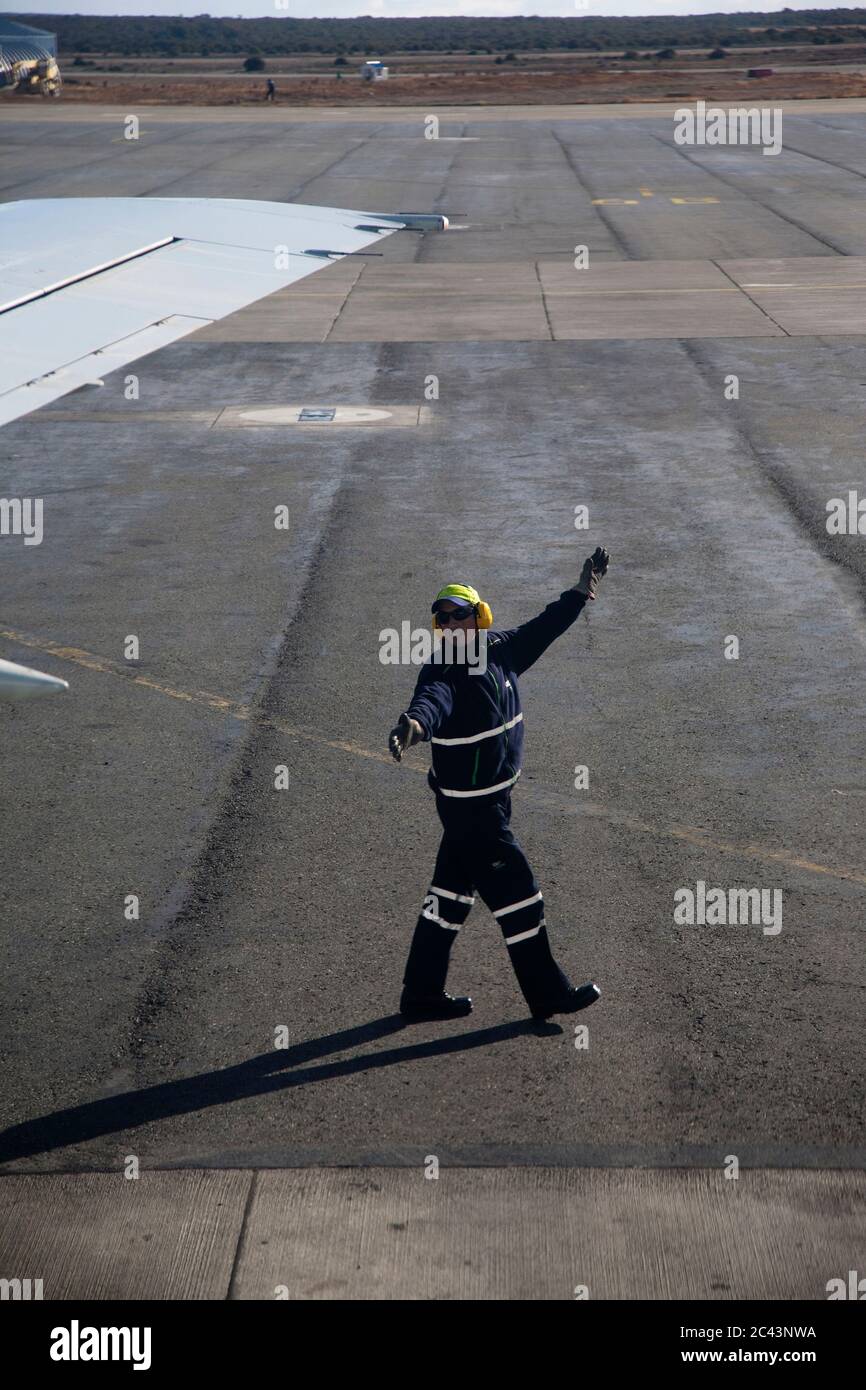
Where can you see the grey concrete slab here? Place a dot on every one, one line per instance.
(106, 1236)
(444, 303)
(820, 312)
(513, 301)
(811, 295)
(306, 317)
(384, 301)
(691, 207)
(493, 278)
(677, 314)
(340, 115)
(529, 1234)
(608, 299)
(378, 1233)
(653, 277)
(805, 196)
(801, 272)
(829, 137)
(649, 299)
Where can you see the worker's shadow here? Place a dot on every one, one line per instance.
(255, 1077)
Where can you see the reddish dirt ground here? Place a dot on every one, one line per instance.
(605, 83)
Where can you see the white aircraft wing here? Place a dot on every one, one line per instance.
(89, 284)
(23, 683)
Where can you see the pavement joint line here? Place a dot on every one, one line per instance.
(688, 1158)
(222, 705)
(544, 304)
(752, 299)
(241, 1239)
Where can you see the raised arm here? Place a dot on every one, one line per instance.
(522, 646)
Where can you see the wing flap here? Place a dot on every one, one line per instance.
(20, 400)
(85, 278)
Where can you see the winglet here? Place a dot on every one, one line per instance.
(416, 221)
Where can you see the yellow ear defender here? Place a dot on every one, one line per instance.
(482, 610)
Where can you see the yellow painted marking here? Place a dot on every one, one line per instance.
(108, 667)
(238, 711)
(703, 289)
(118, 668)
(619, 202)
(680, 289)
(803, 287)
(647, 193)
(694, 200)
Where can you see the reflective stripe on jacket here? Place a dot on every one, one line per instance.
(475, 722)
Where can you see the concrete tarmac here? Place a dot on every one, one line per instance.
(464, 1233)
(700, 391)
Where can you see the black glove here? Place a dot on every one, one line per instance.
(404, 733)
(593, 570)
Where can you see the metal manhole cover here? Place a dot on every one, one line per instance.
(310, 415)
(315, 417)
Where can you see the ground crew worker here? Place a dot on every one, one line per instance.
(270, 90)
(474, 723)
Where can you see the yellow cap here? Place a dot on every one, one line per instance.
(464, 593)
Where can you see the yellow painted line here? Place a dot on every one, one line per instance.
(118, 668)
(751, 851)
(802, 287)
(702, 289)
(679, 289)
(204, 698)
(646, 193)
(238, 711)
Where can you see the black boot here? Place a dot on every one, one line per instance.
(576, 997)
(423, 1006)
(427, 966)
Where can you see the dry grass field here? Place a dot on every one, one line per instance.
(445, 79)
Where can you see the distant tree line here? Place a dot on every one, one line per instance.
(202, 36)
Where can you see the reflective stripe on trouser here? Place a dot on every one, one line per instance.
(508, 887)
(478, 848)
(445, 909)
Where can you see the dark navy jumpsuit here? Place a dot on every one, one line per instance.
(475, 727)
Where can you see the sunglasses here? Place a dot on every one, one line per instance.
(456, 615)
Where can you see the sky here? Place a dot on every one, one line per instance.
(406, 9)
